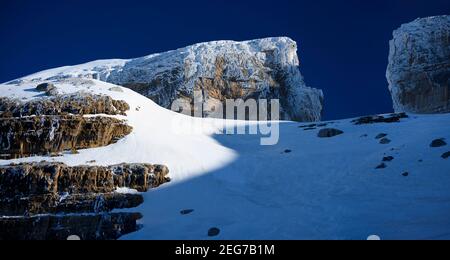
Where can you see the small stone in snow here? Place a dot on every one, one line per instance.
(44, 87)
(287, 151)
(308, 126)
(388, 158)
(186, 211)
(385, 141)
(329, 132)
(381, 166)
(446, 155)
(212, 232)
(380, 136)
(438, 143)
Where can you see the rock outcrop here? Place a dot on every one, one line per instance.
(376, 119)
(38, 188)
(213, 71)
(37, 197)
(78, 104)
(419, 66)
(259, 69)
(57, 178)
(44, 135)
(51, 125)
(57, 227)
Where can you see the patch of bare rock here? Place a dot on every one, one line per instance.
(38, 196)
(392, 118)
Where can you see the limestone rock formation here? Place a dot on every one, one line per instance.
(258, 69)
(43, 135)
(37, 197)
(50, 188)
(51, 125)
(57, 178)
(78, 103)
(419, 66)
(59, 227)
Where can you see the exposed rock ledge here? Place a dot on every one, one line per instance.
(88, 192)
(87, 227)
(46, 187)
(51, 125)
(44, 135)
(78, 104)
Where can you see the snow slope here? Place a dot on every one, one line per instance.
(322, 189)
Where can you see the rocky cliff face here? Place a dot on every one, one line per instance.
(51, 125)
(258, 69)
(107, 226)
(38, 188)
(419, 66)
(78, 103)
(45, 135)
(37, 197)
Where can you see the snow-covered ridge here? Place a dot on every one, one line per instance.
(263, 69)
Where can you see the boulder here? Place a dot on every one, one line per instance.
(438, 143)
(445, 155)
(329, 132)
(385, 141)
(48, 88)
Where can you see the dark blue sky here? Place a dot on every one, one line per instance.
(343, 45)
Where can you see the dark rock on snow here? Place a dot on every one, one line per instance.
(438, 143)
(381, 136)
(329, 132)
(392, 118)
(381, 166)
(385, 141)
(48, 88)
(446, 155)
(388, 159)
(186, 211)
(212, 232)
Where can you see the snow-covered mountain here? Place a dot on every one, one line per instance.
(371, 179)
(258, 69)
